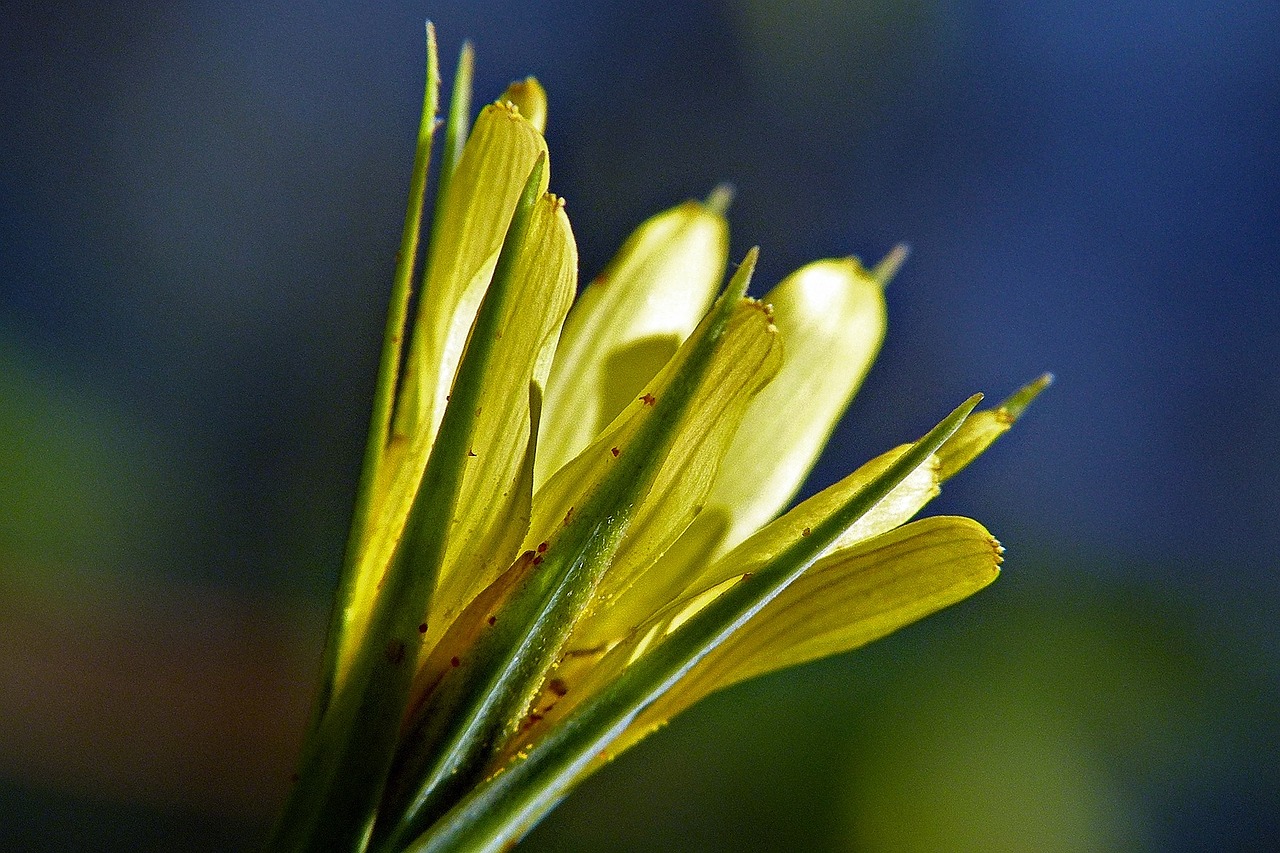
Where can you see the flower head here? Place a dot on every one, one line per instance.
(573, 522)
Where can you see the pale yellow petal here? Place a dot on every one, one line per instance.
(899, 506)
(480, 198)
(627, 324)
(831, 314)
(530, 99)
(747, 358)
(846, 600)
(492, 510)
(685, 569)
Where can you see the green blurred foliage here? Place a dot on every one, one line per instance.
(84, 491)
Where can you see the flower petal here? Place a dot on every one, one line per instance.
(632, 492)
(747, 359)
(493, 506)
(480, 197)
(561, 742)
(899, 506)
(627, 324)
(530, 99)
(832, 316)
(846, 600)
(685, 570)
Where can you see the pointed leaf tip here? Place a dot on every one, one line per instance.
(737, 288)
(1020, 399)
(983, 428)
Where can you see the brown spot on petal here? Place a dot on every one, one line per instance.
(648, 399)
(615, 451)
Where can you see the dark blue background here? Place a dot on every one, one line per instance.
(200, 202)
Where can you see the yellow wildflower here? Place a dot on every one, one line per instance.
(571, 524)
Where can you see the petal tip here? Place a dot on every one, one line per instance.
(1017, 403)
(889, 265)
(719, 199)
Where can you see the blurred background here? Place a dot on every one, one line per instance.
(200, 204)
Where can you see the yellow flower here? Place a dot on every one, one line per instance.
(571, 523)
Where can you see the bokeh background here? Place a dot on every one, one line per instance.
(199, 208)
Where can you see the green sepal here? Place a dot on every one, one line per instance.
(498, 811)
(293, 827)
(388, 376)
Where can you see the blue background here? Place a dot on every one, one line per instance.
(199, 207)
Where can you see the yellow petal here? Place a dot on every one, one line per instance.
(480, 198)
(831, 314)
(493, 505)
(684, 572)
(627, 324)
(530, 99)
(846, 600)
(747, 358)
(906, 499)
